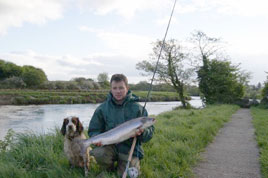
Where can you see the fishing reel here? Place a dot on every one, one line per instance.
(132, 172)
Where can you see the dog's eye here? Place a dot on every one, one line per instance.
(74, 121)
(66, 121)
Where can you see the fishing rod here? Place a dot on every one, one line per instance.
(149, 91)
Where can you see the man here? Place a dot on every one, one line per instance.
(121, 105)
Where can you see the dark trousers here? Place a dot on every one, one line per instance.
(106, 156)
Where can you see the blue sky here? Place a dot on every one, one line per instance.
(82, 38)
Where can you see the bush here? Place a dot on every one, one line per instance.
(12, 82)
(220, 82)
(48, 85)
(32, 76)
(264, 101)
(71, 85)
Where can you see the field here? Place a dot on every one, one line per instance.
(260, 122)
(179, 138)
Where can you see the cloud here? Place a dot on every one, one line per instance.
(126, 44)
(125, 8)
(128, 8)
(226, 7)
(16, 12)
(243, 7)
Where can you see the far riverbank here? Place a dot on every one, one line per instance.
(29, 97)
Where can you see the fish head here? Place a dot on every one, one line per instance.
(147, 122)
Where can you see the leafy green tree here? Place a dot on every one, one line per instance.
(103, 80)
(33, 77)
(265, 89)
(220, 82)
(173, 68)
(90, 79)
(2, 74)
(9, 69)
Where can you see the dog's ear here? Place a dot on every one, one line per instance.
(63, 128)
(79, 126)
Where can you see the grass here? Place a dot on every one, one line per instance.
(179, 138)
(260, 122)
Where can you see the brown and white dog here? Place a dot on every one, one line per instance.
(72, 129)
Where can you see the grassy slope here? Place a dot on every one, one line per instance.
(260, 122)
(179, 138)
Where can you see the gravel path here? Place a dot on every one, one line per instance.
(234, 152)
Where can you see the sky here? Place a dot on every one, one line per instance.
(83, 38)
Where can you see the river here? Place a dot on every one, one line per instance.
(45, 118)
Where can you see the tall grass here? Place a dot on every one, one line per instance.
(260, 122)
(180, 136)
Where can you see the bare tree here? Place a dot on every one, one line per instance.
(206, 47)
(174, 67)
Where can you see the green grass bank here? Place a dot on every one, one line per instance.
(25, 97)
(260, 122)
(179, 138)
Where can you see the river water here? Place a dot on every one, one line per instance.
(45, 118)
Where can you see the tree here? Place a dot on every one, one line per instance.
(33, 77)
(264, 101)
(103, 80)
(173, 68)
(205, 46)
(8, 69)
(219, 82)
(259, 86)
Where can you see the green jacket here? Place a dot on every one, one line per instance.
(109, 115)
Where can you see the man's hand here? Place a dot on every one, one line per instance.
(138, 132)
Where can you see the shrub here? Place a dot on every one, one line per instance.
(12, 82)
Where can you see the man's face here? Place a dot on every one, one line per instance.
(119, 90)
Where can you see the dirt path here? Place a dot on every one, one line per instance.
(234, 152)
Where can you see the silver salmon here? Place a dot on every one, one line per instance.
(120, 133)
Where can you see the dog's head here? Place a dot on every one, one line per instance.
(71, 125)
